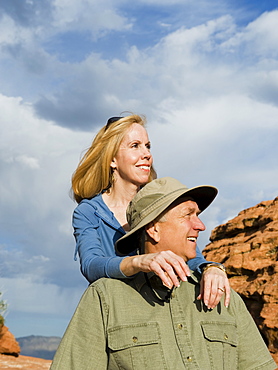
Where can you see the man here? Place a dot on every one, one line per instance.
(141, 324)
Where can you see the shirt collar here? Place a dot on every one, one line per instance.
(160, 290)
(104, 212)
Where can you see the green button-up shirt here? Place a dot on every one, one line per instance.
(129, 324)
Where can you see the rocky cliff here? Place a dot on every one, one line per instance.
(10, 349)
(8, 343)
(23, 363)
(248, 246)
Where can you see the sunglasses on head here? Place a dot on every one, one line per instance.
(111, 120)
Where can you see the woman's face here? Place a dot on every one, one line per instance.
(132, 163)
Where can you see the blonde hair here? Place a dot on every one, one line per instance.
(93, 173)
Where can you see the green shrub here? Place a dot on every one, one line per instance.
(3, 307)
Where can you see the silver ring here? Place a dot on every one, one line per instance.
(222, 290)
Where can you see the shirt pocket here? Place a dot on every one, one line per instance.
(222, 342)
(136, 346)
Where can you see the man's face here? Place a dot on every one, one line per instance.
(180, 231)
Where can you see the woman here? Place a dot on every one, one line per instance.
(111, 172)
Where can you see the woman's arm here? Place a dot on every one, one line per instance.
(95, 245)
(166, 264)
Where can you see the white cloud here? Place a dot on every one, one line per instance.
(8, 30)
(258, 37)
(93, 16)
(229, 142)
(30, 296)
(186, 67)
(37, 161)
(164, 2)
(35, 307)
(42, 20)
(30, 162)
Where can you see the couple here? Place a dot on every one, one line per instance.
(139, 322)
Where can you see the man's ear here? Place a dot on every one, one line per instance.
(153, 231)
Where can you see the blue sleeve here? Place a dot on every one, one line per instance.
(196, 262)
(95, 245)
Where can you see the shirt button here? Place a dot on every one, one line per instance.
(180, 326)
(226, 336)
(189, 359)
(135, 339)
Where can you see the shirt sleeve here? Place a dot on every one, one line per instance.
(96, 251)
(83, 345)
(253, 352)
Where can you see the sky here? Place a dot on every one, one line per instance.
(204, 73)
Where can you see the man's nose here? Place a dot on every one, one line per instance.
(199, 225)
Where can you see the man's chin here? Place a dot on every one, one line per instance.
(190, 256)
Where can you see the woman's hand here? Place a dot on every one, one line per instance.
(214, 284)
(166, 264)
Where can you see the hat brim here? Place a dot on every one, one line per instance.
(202, 195)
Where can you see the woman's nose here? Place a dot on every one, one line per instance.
(146, 153)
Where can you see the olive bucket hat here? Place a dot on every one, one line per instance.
(152, 200)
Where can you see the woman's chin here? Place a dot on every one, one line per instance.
(142, 180)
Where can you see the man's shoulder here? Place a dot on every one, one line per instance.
(112, 292)
(106, 283)
(236, 301)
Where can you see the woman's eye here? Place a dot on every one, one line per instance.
(134, 145)
(148, 146)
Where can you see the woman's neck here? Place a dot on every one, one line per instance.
(117, 200)
(120, 194)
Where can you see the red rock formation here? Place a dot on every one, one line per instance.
(24, 363)
(8, 344)
(248, 246)
(9, 354)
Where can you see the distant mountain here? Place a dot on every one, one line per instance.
(39, 346)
